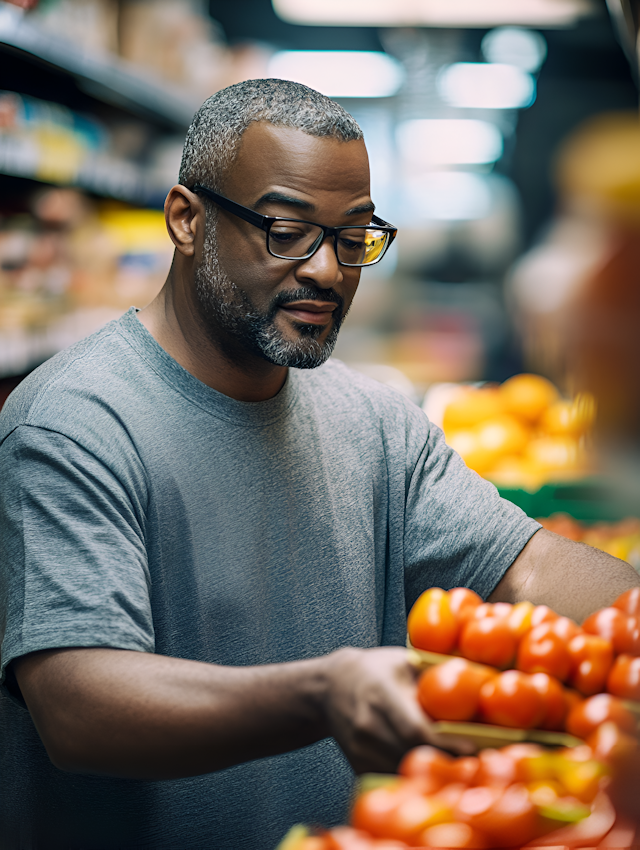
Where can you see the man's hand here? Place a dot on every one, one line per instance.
(372, 708)
(133, 714)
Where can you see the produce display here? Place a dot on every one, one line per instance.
(620, 539)
(519, 796)
(521, 433)
(524, 666)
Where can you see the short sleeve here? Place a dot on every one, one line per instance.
(73, 564)
(458, 530)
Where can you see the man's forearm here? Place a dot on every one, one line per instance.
(572, 578)
(133, 714)
(149, 716)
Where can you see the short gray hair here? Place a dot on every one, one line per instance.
(216, 131)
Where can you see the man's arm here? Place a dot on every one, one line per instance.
(134, 714)
(572, 578)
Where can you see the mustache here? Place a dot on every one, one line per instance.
(306, 294)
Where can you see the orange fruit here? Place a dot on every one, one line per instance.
(502, 435)
(467, 444)
(571, 418)
(470, 406)
(555, 454)
(528, 396)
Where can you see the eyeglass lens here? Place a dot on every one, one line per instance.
(357, 246)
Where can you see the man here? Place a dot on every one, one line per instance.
(207, 555)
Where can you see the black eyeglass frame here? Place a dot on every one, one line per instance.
(265, 222)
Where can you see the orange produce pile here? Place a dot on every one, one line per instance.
(620, 539)
(521, 433)
(516, 797)
(538, 653)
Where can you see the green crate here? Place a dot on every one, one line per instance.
(588, 500)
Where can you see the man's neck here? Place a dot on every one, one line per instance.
(177, 326)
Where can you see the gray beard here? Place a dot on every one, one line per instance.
(225, 307)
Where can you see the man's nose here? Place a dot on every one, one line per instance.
(323, 267)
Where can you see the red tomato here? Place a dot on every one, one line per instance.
(610, 744)
(585, 718)
(431, 624)
(508, 818)
(346, 838)
(453, 835)
(609, 623)
(591, 660)
(542, 614)
(555, 706)
(373, 811)
(465, 769)
(463, 602)
(415, 814)
(629, 640)
(629, 602)
(489, 641)
(511, 699)
(501, 609)
(542, 651)
(520, 619)
(565, 628)
(496, 768)
(451, 691)
(624, 677)
(428, 763)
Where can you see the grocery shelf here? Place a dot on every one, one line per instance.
(105, 77)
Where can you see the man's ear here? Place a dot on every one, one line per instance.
(184, 214)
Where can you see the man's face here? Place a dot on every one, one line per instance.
(287, 312)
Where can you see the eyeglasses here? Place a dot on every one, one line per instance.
(295, 239)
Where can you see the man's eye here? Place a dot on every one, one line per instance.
(284, 236)
(351, 244)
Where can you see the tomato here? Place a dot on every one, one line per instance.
(453, 835)
(489, 641)
(571, 700)
(497, 768)
(555, 706)
(508, 818)
(346, 838)
(511, 699)
(542, 651)
(591, 660)
(465, 769)
(565, 628)
(585, 718)
(451, 691)
(520, 619)
(431, 624)
(463, 602)
(430, 764)
(629, 641)
(609, 623)
(542, 614)
(501, 609)
(624, 677)
(610, 744)
(629, 602)
(415, 814)
(372, 810)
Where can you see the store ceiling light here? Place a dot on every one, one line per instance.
(449, 141)
(452, 196)
(433, 13)
(340, 73)
(526, 49)
(479, 85)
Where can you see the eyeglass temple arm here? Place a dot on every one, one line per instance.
(231, 206)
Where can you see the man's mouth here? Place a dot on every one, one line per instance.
(310, 312)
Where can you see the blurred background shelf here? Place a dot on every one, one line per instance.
(104, 77)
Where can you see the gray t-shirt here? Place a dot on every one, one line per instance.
(143, 510)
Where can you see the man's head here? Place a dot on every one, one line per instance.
(285, 150)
